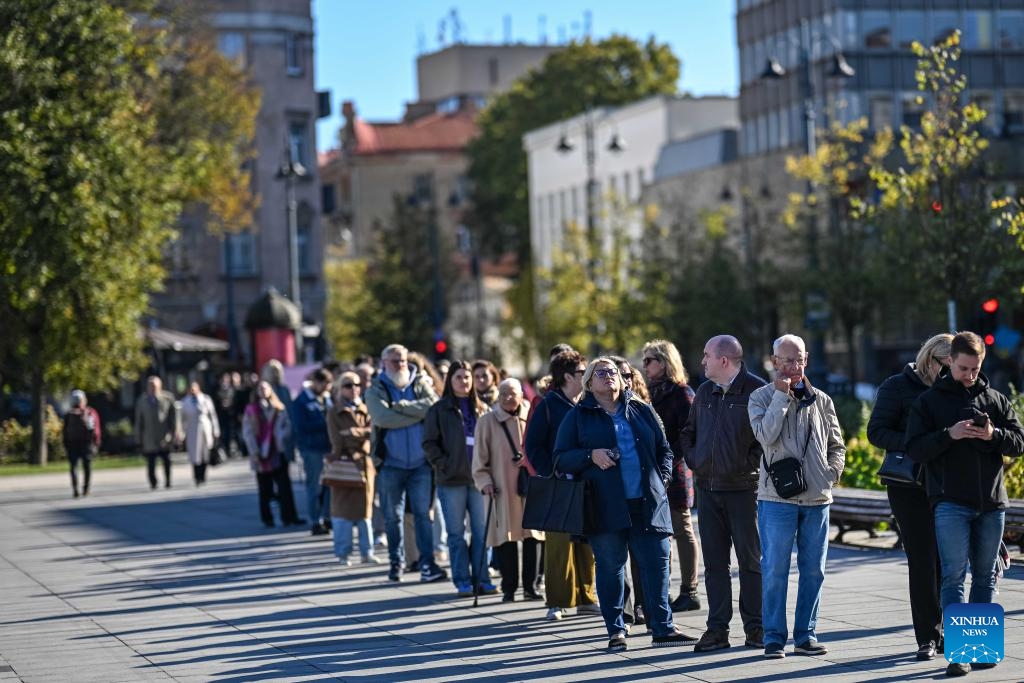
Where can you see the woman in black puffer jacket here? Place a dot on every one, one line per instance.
(887, 429)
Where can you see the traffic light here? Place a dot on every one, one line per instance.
(441, 347)
(988, 320)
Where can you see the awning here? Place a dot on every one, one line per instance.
(174, 340)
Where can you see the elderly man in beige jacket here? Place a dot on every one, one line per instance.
(796, 425)
(497, 460)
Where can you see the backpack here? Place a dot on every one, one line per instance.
(76, 431)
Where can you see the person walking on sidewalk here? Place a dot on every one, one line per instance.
(309, 430)
(568, 560)
(719, 446)
(671, 397)
(960, 428)
(81, 434)
(202, 430)
(398, 401)
(796, 424)
(887, 428)
(156, 428)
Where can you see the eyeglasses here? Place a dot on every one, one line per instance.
(605, 373)
(350, 385)
(649, 360)
(792, 362)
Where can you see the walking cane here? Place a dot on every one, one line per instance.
(483, 556)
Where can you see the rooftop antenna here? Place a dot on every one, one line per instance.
(440, 33)
(587, 23)
(457, 25)
(421, 39)
(542, 29)
(507, 20)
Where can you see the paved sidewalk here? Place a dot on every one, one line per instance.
(184, 584)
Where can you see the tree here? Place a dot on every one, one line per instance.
(350, 303)
(95, 176)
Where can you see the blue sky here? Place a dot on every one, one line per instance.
(366, 51)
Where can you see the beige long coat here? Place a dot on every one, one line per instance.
(349, 430)
(493, 464)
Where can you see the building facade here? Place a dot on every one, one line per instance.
(273, 40)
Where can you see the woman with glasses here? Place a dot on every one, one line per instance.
(671, 397)
(887, 429)
(448, 442)
(616, 441)
(348, 425)
(568, 560)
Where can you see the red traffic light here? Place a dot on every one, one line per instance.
(990, 306)
(937, 206)
(990, 339)
(440, 346)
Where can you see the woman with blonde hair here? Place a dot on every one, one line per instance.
(671, 397)
(887, 429)
(266, 429)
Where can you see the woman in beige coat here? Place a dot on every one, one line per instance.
(497, 459)
(348, 426)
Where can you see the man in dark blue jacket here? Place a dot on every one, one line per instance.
(719, 446)
(309, 429)
(961, 428)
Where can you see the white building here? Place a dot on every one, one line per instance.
(558, 180)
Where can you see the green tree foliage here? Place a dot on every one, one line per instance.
(612, 71)
(349, 304)
(93, 183)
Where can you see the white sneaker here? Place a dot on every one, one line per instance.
(371, 559)
(588, 609)
(555, 614)
(345, 562)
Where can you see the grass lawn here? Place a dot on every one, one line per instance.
(103, 462)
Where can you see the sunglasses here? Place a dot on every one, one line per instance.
(605, 373)
(581, 372)
(648, 361)
(627, 376)
(350, 385)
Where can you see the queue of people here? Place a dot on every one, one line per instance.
(762, 457)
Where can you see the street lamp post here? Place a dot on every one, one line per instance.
(816, 313)
(289, 172)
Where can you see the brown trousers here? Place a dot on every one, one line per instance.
(568, 571)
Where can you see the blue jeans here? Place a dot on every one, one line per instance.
(780, 524)
(313, 465)
(964, 535)
(394, 485)
(342, 529)
(456, 501)
(652, 555)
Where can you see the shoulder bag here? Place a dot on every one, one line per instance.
(898, 468)
(344, 473)
(522, 476)
(557, 504)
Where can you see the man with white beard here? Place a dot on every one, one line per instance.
(398, 401)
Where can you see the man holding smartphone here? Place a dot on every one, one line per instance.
(961, 428)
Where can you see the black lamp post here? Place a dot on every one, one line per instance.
(289, 172)
(816, 313)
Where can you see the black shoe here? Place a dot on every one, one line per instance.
(686, 602)
(395, 573)
(431, 572)
(638, 617)
(810, 648)
(958, 669)
(85, 491)
(167, 485)
(413, 566)
(674, 639)
(926, 652)
(982, 665)
(617, 643)
(326, 521)
(531, 595)
(74, 494)
(774, 651)
(318, 529)
(755, 637)
(712, 640)
(508, 597)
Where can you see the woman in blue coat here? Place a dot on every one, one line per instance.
(616, 442)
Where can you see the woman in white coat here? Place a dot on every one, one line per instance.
(202, 429)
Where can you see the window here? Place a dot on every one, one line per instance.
(846, 29)
(422, 188)
(762, 133)
(298, 142)
(627, 191)
(1010, 34)
(944, 23)
(985, 102)
(773, 129)
(881, 112)
(978, 30)
(239, 254)
(492, 70)
(327, 199)
(910, 26)
(304, 237)
(293, 54)
(1013, 112)
(913, 105)
(231, 44)
(876, 29)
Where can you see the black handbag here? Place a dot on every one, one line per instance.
(522, 475)
(554, 504)
(787, 476)
(898, 468)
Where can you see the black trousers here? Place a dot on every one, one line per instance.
(165, 456)
(85, 456)
(917, 529)
(199, 473)
(507, 556)
(728, 519)
(277, 483)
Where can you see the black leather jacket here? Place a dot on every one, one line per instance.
(717, 440)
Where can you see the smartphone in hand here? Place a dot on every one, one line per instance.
(980, 420)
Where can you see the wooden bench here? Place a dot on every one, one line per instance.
(861, 510)
(1013, 528)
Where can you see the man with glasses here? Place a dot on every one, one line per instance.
(719, 445)
(796, 425)
(398, 401)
